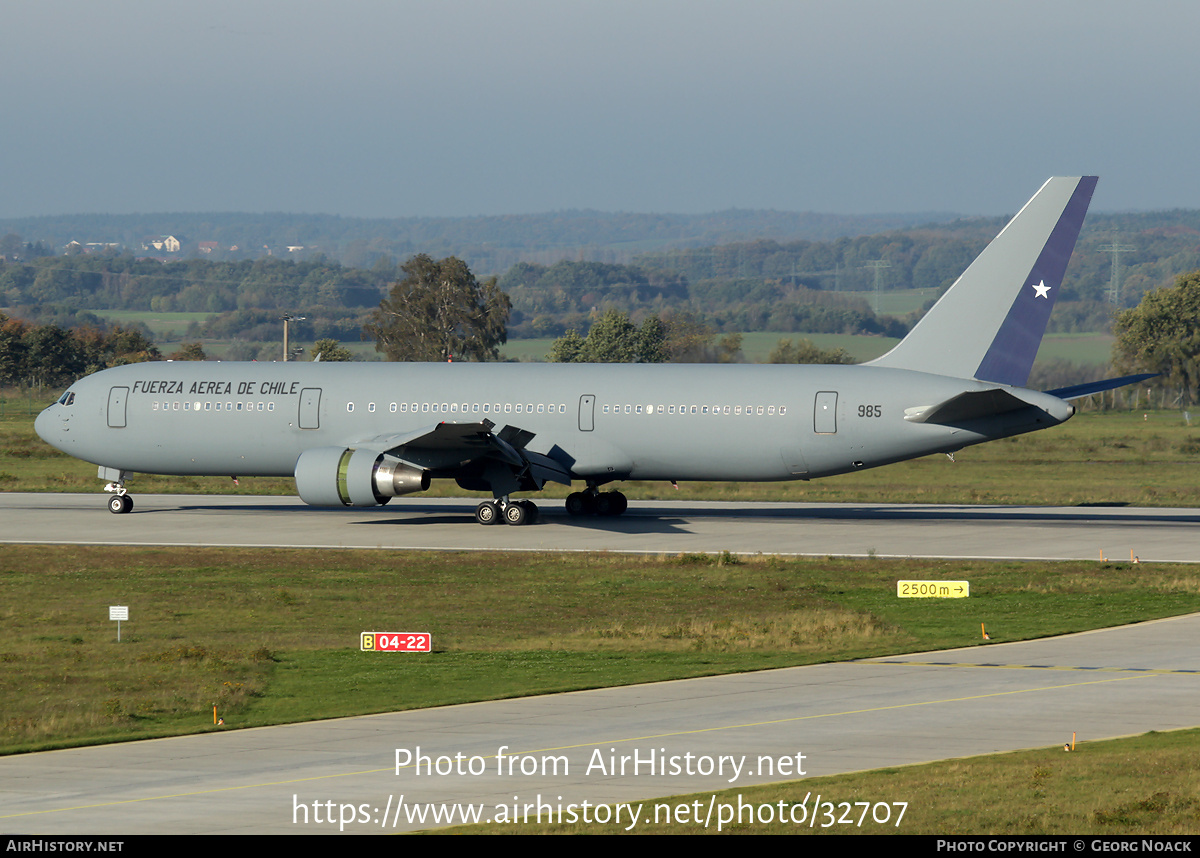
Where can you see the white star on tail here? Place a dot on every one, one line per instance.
(1043, 291)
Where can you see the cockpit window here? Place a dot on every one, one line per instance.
(67, 398)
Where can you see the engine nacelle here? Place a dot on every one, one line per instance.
(338, 476)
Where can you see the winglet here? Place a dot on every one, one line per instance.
(990, 323)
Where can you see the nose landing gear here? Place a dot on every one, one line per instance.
(121, 501)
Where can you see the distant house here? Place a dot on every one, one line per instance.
(167, 243)
(208, 246)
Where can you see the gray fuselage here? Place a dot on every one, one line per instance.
(602, 421)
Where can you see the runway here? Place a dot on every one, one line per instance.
(808, 529)
(820, 720)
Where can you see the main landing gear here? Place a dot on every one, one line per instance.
(515, 513)
(594, 502)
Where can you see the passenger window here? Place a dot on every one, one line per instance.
(349, 407)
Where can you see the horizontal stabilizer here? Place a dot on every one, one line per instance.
(967, 406)
(1077, 390)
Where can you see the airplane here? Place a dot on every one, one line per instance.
(355, 434)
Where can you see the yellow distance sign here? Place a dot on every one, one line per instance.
(933, 589)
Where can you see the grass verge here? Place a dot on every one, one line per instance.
(271, 636)
(1145, 785)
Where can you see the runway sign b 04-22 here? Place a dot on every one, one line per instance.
(397, 642)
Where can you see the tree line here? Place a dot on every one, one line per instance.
(52, 356)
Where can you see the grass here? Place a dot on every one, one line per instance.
(1145, 785)
(897, 302)
(271, 636)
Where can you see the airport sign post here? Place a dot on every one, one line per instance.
(396, 642)
(118, 613)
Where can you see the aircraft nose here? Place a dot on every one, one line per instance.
(45, 426)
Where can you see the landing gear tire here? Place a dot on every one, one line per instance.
(516, 514)
(596, 503)
(487, 512)
(120, 504)
(531, 510)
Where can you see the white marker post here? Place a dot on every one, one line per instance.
(118, 613)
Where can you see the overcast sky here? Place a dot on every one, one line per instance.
(396, 108)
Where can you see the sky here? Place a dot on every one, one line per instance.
(396, 108)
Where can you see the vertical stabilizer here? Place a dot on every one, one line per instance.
(990, 323)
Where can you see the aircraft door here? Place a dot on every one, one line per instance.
(825, 413)
(117, 397)
(310, 405)
(587, 408)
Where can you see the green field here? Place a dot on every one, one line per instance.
(897, 302)
(163, 326)
(1086, 349)
(271, 636)
(1147, 785)
(169, 331)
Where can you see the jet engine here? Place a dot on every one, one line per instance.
(338, 476)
